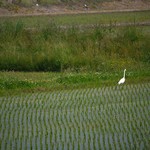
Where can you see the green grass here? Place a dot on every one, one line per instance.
(72, 49)
(104, 18)
(81, 19)
(28, 82)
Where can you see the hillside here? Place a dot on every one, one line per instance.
(26, 7)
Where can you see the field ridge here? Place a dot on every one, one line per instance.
(72, 12)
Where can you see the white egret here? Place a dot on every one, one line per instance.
(85, 6)
(37, 5)
(123, 79)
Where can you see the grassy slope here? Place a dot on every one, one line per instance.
(14, 82)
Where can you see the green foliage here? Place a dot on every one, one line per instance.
(131, 34)
(49, 65)
(54, 48)
(51, 81)
(10, 31)
(14, 83)
(1, 3)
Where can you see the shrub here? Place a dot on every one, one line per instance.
(49, 65)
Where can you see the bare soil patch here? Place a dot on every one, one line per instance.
(118, 5)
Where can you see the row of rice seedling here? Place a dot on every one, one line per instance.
(98, 118)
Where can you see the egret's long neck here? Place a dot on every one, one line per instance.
(124, 73)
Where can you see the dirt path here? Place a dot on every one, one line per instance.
(71, 12)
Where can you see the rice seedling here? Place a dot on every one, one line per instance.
(85, 118)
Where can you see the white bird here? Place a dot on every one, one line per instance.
(86, 6)
(123, 79)
(37, 5)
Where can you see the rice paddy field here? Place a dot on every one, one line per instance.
(79, 106)
(110, 117)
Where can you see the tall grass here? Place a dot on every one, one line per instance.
(72, 48)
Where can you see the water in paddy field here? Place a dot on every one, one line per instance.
(114, 117)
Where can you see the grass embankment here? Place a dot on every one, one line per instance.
(23, 82)
(80, 19)
(70, 50)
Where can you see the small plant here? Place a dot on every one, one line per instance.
(13, 7)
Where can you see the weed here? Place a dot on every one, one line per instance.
(55, 49)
